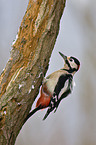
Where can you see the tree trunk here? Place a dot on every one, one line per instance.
(28, 63)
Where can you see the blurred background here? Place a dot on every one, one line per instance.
(74, 123)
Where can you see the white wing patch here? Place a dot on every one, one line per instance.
(64, 89)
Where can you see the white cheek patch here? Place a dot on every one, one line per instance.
(73, 65)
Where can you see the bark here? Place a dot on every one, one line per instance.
(28, 63)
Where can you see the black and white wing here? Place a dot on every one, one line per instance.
(62, 89)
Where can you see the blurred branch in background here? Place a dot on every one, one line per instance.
(19, 82)
(87, 101)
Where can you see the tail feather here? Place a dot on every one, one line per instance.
(32, 112)
(47, 113)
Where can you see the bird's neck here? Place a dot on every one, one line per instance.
(69, 71)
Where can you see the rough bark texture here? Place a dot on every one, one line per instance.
(23, 74)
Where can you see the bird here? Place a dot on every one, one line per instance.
(57, 86)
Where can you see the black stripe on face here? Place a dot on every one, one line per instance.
(68, 64)
(71, 70)
(75, 60)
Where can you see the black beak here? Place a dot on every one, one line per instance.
(64, 56)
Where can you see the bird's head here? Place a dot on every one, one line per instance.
(72, 64)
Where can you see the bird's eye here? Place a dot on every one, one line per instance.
(71, 59)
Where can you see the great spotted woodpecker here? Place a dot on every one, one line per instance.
(57, 86)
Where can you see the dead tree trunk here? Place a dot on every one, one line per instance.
(23, 74)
